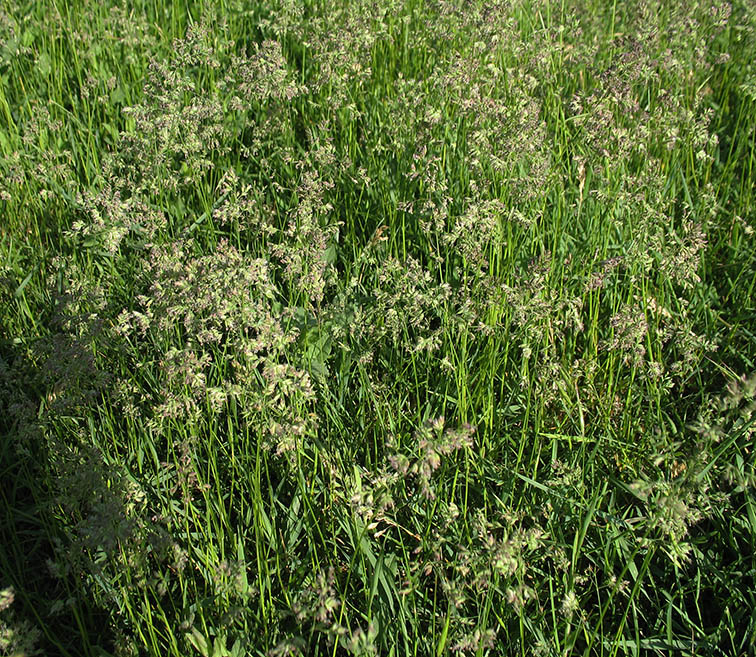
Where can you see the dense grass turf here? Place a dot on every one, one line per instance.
(378, 328)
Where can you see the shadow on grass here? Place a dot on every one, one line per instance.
(52, 613)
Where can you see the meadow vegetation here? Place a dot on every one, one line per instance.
(377, 327)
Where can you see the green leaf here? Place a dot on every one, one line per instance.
(20, 289)
(44, 65)
(243, 563)
(330, 253)
(4, 143)
(199, 642)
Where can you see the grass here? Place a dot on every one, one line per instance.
(394, 328)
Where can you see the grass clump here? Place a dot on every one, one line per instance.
(397, 328)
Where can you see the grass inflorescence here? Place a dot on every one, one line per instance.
(406, 327)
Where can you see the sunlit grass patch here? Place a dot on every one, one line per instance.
(398, 328)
